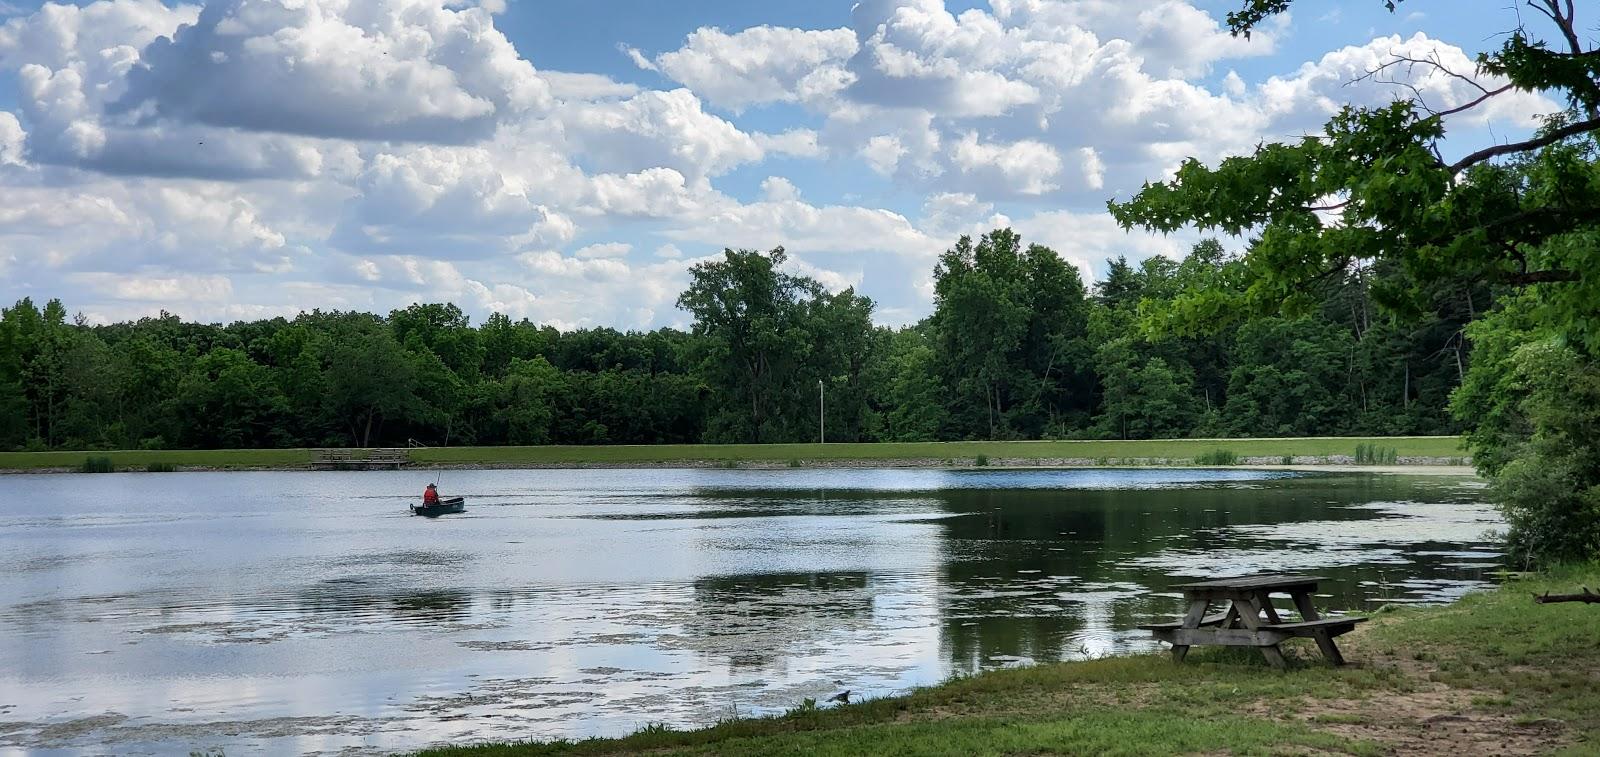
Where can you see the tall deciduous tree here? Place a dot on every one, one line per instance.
(1009, 326)
(370, 381)
(230, 401)
(765, 337)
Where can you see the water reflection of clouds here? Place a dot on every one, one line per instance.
(1229, 561)
(1393, 538)
(1401, 523)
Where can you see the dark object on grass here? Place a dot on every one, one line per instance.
(1586, 597)
(843, 697)
(445, 506)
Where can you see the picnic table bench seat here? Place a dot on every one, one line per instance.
(1301, 628)
(1209, 620)
(1308, 627)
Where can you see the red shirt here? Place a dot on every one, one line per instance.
(430, 496)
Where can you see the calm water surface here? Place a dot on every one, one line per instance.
(308, 612)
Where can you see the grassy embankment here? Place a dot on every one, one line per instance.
(1492, 674)
(1177, 451)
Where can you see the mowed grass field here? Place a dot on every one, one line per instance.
(1491, 674)
(1177, 451)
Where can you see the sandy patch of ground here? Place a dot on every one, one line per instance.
(1433, 719)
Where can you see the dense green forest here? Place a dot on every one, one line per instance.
(1017, 348)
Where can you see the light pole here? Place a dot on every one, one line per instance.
(822, 416)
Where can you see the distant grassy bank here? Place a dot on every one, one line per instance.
(1313, 450)
(1492, 674)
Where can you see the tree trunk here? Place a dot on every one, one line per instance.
(755, 416)
(366, 434)
(988, 405)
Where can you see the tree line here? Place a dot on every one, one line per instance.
(1018, 347)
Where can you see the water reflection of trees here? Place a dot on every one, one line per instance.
(755, 621)
(1039, 573)
(1046, 574)
(431, 607)
(356, 601)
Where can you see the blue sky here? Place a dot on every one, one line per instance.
(568, 161)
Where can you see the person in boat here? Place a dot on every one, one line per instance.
(430, 495)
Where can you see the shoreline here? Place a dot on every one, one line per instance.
(1288, 453)
(1461, 678)
(1429, 467)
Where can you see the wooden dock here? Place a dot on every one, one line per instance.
(359, 459)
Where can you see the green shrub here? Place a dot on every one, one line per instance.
(794, 462)
(1217, 457)
(981, 460)
(1288, 459)
(160, 468)
(1372, 454)
(97, 465)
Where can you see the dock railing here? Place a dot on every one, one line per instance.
(359, 459)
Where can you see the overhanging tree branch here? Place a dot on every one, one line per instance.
(1550, 138)
(1562, 20)
(1475, 102)
(1540, 277)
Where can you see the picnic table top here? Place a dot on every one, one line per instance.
(1251, 583)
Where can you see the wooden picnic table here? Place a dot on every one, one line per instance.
(1250, 620)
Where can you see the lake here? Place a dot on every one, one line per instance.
(307, 612)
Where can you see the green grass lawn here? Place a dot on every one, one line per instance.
(957, 453)
(1494, 673)
(140, 459)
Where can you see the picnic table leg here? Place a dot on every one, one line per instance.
(1230, 619)
(1266, 606)
(1274, 657)
(1197, 613)
(1330, 650)
(1302, 602)
(1251, 615)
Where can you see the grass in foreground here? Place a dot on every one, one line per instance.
(1491, 673)
(1179, 451)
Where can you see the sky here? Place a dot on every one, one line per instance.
(568, 161)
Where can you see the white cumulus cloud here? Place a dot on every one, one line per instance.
(759, 65)
(361, 69)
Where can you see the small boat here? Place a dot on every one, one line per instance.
(451, 505)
